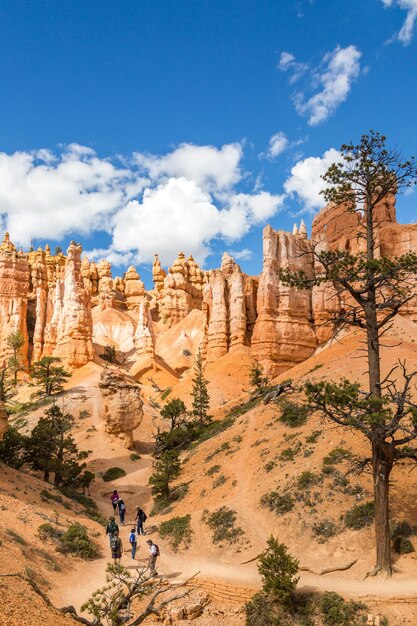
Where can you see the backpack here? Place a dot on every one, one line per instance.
(122, 506)
(157, 550)
(112, 527)
(143, 517)
(132, 538)
(114, 544)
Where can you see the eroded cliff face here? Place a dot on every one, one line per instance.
(49, 299)
(122, 405)
(283, 334)
(14, 286)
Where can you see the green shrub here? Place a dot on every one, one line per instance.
(16, 537)
(220, 480)
(134, 456)
(268, 467)
(47, 531)
(263, 611)
(360, 516)
(314, 436)
(47, 495)
(214, 469)
(336, 612)
(222, 523)
(307, 479)
(177, 530)
(113, 473)
(403, 545)
(279, 504)
(293, 414)
(324, 529)
(90, 510)
(75, 540)
(166, 393)
(338, 455)
(402, 529)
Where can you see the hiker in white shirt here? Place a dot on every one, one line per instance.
(153, 555)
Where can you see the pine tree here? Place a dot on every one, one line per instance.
(166, 469)
(257, 379)
(15, 341)
(201, 398)
(376, 288)
(48, 377)
(6, 386)
(51, 448)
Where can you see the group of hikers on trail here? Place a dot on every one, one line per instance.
(116, 544)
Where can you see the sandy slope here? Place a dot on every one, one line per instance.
(255, 440)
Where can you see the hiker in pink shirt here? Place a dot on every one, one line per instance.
(114, 499)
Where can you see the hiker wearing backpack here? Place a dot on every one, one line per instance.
(140, 519)
(122, 511)
(133, 540)
(153, 555)
(111, 527)
(116, 547)
(114, 500)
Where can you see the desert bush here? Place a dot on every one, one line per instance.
(338, 455)
(292, 413)
(48, 531)
(109, 354)
(360, 516)
(177, 530)
(16, 537)
(113, 473)
(313, 437)
(279, 504)
(214, 469)
(134, 456)
(220, 480)
(268, 467)
(166, 393)
(75, 540)
(90, 510)
(307, 479)
(47, 495)
(403, 545)
(324, 529)
(278, 570)
(222, 523)
(335, 611)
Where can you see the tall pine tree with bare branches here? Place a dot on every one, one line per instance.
(375, 289)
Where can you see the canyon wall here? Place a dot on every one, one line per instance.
(61, 304)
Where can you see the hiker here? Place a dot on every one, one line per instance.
(122, 511)
(85, 481)
(111, 527)
(153, 555)
(114, 500)
(116, 547)
(133, 540)
(140, 519)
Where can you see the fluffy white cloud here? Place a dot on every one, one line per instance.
(305, 181)
(213, 169)
(182, 200)
(406, 33)
(277, 144)
(335, 76)
(331, 81)
(179, 215)
(44, 196)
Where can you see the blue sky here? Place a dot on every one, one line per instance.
(154, 126)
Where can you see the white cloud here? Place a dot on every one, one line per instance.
(277, 144)
(288, 62)
(241, 255)
(179, 215)
(305, 181)
(335, 76)
(43, 196)
(331, 81)
(406, 33)
(213, 169)
(182, 200)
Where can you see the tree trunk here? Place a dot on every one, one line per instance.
(372, 339)
(382, 462)
(46, 476)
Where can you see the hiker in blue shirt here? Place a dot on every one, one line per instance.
(133, 540)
